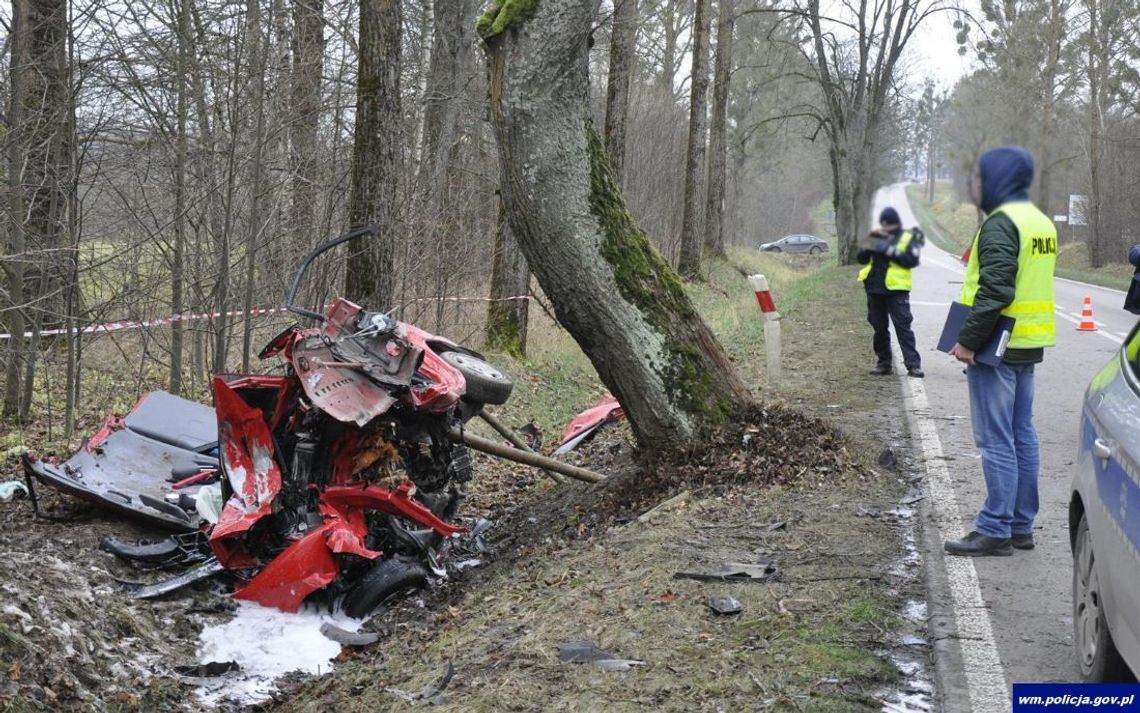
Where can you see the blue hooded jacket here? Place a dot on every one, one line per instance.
(1006, 173)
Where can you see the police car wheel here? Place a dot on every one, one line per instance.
(1097, 657)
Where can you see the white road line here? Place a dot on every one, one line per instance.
(1076, 319)
(920, 303)
(985, 677)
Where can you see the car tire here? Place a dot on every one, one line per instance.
(775, 250)
(815, 250)
(387, 578)
(485, 383)
(1097, 657)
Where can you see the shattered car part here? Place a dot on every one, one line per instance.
(588, 652)
(585, 424)
(725, 605)
(765, 571)
(203, 571)
(337, 476)
(348, 638)
(211, 669)
(127, 464)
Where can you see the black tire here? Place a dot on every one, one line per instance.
(775, 250)
(386, 578)
(485, 383)
(815, 250)
(1097, 657)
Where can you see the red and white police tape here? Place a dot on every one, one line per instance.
(128, 324)
(764, 296)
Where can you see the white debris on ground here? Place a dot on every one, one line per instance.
(267, 644)
(916, 694)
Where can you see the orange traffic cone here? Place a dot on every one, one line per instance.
(1087, 324)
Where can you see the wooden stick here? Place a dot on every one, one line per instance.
(495, 448)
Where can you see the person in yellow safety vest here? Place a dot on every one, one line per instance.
(890, 253)
(1010, 272)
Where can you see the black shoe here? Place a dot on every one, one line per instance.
(1022, 542)
(915, 371)
(976, 544)
(882, 370)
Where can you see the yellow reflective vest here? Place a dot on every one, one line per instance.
(898, 277)
(1032, 307)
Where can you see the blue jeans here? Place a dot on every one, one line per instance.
(1001, 407)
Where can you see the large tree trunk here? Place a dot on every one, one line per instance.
(451, 62)
(507, 318)
(623, 61)
(689, 261)
(305, 114)
(19, 66)
(40, 179)
(610, 288)
(852, 197)
(258, 48)
(718, 141)
(376, 154)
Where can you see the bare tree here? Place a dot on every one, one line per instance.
(718, 139)
(689, 264)
(40, 163)
(855, 55)
(614, 293)
(623, 60)
(305, 112)
(376, 153)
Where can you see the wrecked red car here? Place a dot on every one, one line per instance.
(339, 476)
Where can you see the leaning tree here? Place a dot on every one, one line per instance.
(614, 293)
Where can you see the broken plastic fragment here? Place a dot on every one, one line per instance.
(582, 652)
(348, 638)
(11, 490)
(208, 670)
(725, 605)
(618, 664)
(735, 572)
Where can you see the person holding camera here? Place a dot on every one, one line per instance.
(890, 254)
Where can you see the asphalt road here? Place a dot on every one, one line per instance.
(1028, 595)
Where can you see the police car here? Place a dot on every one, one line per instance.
(1104, 522)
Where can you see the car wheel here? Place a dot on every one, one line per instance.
(485, 383)
(775, 250)
(1097, 657)
(815, 250)
(386, 578)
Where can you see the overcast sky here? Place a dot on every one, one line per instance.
(934, 52)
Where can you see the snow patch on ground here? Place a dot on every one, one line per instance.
(267, 644)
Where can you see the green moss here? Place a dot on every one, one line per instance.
(646, 280)
(504, 333)
(502, 14)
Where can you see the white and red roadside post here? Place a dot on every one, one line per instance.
(771, 324)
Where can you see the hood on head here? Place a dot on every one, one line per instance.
(1006, 174)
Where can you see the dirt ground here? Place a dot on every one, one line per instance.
(816, 497)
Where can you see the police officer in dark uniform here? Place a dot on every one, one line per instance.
(889, 256)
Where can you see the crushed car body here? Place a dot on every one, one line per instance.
(337, 476)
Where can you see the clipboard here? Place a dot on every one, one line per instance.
(994, 349)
